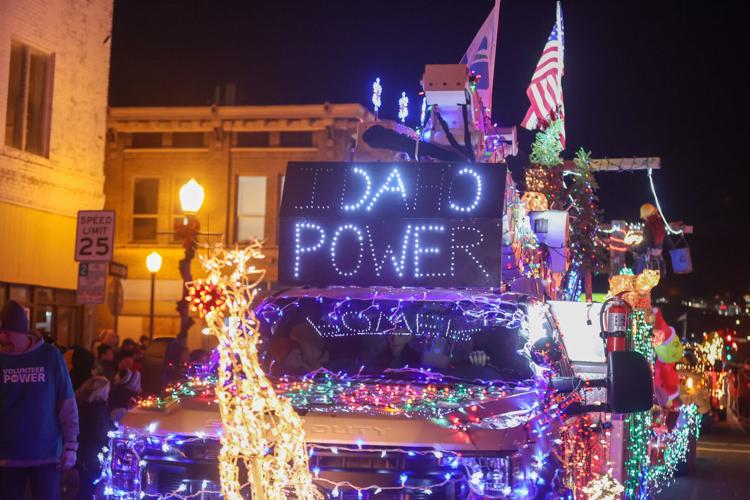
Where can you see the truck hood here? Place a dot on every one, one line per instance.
(497, 426)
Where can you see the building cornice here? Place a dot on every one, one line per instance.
(207, 117)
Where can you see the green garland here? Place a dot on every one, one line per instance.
(638, 424)
(677, 447)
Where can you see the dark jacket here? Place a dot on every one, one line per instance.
(83, 364)
(654, 236)
(95, 422)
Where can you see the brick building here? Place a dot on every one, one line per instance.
(54, 73)
(238, 154)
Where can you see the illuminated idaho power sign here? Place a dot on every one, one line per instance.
(391, 224)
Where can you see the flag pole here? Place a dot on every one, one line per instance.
(560, 31)
(561, 64)
(496, 15)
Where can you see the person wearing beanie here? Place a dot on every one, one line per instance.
(38, 413)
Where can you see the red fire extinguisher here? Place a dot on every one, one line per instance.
(613, 320)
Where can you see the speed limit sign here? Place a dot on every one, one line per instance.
(95, 235)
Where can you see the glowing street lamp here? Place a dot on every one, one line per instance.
(191, 197)
(153, 264)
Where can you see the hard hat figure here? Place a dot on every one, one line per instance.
(649, 252)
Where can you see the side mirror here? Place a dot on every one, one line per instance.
(545, 352)
(631, 386)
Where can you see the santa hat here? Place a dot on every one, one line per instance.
(661, 325)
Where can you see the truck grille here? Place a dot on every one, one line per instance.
(197, 470)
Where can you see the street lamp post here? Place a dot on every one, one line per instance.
(153, 264)
(191, 200)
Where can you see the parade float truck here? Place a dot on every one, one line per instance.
(415, 369)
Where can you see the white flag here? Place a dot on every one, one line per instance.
(480, 56)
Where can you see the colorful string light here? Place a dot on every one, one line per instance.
(450, 403)
(585, 449)
(674, 447)
(587, 249)
(377, 91)
(604, 487)
(403, 107)
(454, 404)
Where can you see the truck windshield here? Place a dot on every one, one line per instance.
(391, 338)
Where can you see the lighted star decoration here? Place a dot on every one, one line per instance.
(605, 487)
(260, 429)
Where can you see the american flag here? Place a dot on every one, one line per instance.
(545, 90)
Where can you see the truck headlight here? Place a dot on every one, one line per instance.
(491, 477)
(125, 467)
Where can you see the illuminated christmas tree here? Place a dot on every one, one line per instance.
(588, 254)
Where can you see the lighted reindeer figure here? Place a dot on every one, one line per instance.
(260, 429)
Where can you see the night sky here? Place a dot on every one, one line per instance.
(641, 79)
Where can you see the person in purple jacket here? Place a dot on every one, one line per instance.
(38, 413)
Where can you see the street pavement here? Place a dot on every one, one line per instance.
(722, 467)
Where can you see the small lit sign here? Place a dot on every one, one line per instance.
(391, 224)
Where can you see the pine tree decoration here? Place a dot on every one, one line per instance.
(546, 149)
(587, 251)
(545, 174)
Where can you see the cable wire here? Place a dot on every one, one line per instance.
(658, 206)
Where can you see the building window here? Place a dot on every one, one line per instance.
(296, 139)
(145, 140)
(251, 208)
(145, 209)
(20, 293)
(188, 140)
(253, 139)
(27, 118)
